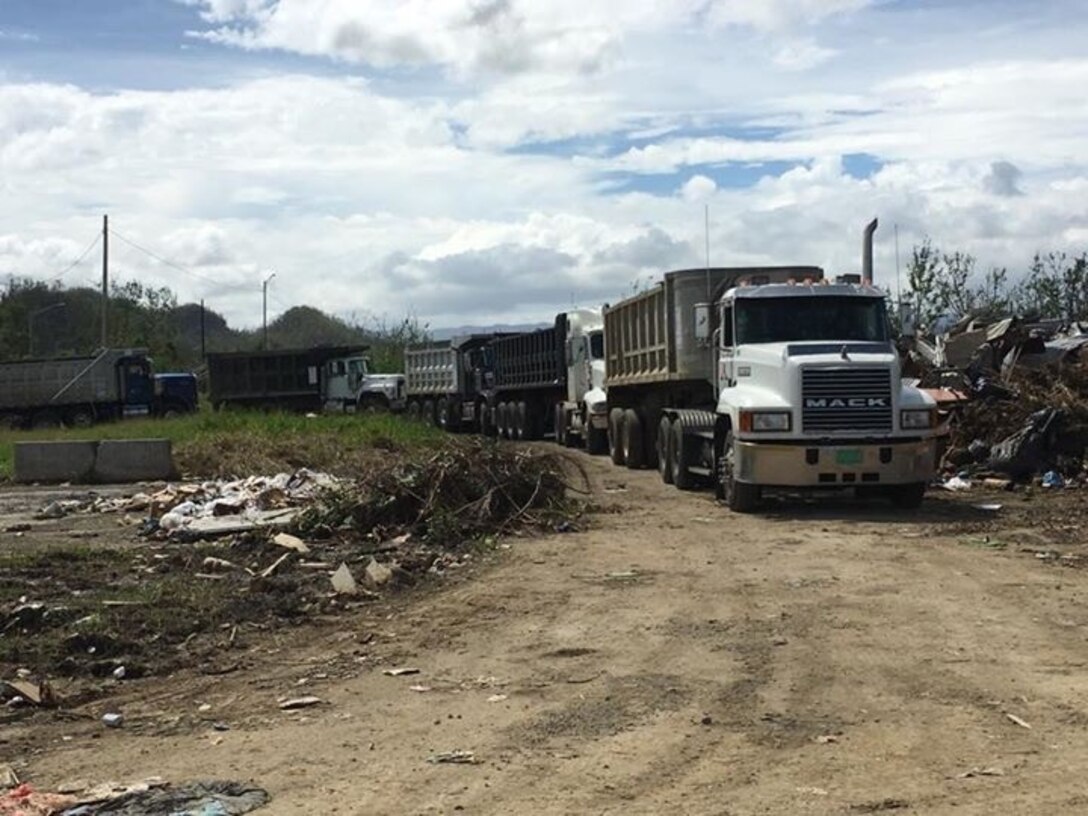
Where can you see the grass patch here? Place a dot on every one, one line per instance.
(241, 443)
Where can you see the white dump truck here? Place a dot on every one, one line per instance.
(336, 379)
(762, 378)
(582, 417)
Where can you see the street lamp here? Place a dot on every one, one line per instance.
(30, 318)
(264, 290)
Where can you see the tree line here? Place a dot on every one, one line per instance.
(951, 285)
(39, 319)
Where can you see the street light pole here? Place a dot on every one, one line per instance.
(264, 309)
(30, 318)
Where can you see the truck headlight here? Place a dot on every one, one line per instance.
(764, 421)
(916, 420)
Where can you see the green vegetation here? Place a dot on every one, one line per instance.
(42, 320)
(242, 443)
(942, 283)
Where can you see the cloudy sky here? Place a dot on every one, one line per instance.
(477, 161)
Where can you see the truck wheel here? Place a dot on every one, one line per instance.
(522, 431)
(680, 458)
(485, 420)
(45, 419)
(428, 412)
(633, 452)
(615, 433)
(371, 404)
(443, 417)
(413, 411)
(596, 441)
(740, 497)
(80, 418)
(908, 496)
(502, 420)
(562, 433)
(664, 449)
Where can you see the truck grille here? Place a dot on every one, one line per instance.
(846, 399)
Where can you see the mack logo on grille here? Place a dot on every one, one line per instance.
(851, 402)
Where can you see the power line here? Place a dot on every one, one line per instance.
(77, 261)
(173, 265)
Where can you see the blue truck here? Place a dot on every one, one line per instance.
(80, 391)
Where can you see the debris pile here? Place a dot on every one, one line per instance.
(1015, 393)
(1040, 427)
(152, 797)
(456, 494)
(221, 560)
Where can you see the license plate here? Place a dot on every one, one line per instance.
(848, 456)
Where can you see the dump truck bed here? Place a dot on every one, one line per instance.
(650, 337)
(62, 381)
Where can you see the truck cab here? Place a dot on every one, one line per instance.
(349, 386)
(810, 394)
(584, 414)
(175, 393)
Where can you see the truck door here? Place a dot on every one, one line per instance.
(137, 386)
(338, 393)
(726, 369)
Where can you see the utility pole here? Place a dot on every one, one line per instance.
(105, 280)
(265, 308)
(203, 347)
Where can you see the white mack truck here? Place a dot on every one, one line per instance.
(763, 378)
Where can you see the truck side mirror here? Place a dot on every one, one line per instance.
(702, 323)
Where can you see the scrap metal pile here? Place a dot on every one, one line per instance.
(1014, 394)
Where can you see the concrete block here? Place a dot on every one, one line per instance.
(134, 460)
(55, 461)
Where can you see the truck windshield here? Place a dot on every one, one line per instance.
(794, 319)
(596, 346)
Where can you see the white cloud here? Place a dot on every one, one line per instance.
(698, 188)
(478, 180)
(19, 36)
(776, 15)
(802, 55)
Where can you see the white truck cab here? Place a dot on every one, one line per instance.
(350, 387)
(810, 394)
(584, 413)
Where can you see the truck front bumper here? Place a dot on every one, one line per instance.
(840, 465)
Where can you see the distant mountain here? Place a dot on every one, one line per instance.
(458, 331)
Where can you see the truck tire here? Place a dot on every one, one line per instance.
(740, 497)
(522, 431)
(79, 418)
(908, 496)
(596, 441)
(485, 420)
(562, 433)
(664, 449)
(443, 416)
(371, 404)
(615, 434)
(633, 452)
(45, 419)
(413, 411)
(428, 412)
(680, 458)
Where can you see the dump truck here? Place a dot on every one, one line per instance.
(765, 378)
(528, 378)
(444, 382)
(336, 379)
(80, 391)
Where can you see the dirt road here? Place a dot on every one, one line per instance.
(673, 658)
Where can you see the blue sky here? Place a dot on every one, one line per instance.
(375, 152)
